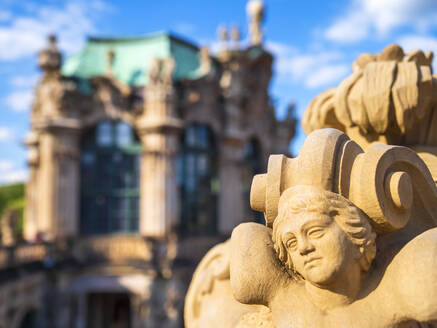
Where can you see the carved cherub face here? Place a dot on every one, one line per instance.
(318, 248)
(321, 235)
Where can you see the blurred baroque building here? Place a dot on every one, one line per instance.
(141, 155)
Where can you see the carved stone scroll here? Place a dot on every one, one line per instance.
(380, 181)
(350, 241)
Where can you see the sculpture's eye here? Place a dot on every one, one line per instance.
(291, 243)
(316, 232)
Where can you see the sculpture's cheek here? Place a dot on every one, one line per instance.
(298, 263)
(330, 258)
(319, 273)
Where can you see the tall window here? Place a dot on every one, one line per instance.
(198, 180)
(110, 177)
(29, 320)
(252, 166)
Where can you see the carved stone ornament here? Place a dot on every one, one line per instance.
(349, 241)
(255, 11)
(389, 97)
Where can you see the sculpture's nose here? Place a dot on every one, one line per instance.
(305, 246)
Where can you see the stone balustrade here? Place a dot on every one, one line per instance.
(14, 256)
(113, 248)
(116, 249)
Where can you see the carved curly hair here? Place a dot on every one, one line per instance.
(350, 219)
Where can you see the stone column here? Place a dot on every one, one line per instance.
(53, 190)
(57, 211)
(231, 200)
(159, 130)
(159, 200)
(31, 209)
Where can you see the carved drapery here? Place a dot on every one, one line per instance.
(389, 97)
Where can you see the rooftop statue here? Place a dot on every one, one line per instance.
(255, 10)
(350, 238)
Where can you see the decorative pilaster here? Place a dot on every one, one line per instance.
(52, 194)
(159, 131)
(231, 200)
(31, 210)
(58, 175)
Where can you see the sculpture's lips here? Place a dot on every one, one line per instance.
(311, 260)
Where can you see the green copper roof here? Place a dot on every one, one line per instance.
(133, 57)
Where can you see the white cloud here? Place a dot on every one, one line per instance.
(312, 69)
(353, 27)
(24, 81)
(5, 165)
(20, 100)
(25, 35)
(366, 17)
(13, 176)
(10, 172)
(327, 75)
(6, 134)
(414, 42)
(424, 43)
(300, 65)
(280, 49)
(184, 28)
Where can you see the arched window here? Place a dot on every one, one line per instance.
(110, 177)
(198, 180)
(252, 165)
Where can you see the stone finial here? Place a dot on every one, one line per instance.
(223, 37)
(168, 69)
(161, 71)
(236, 36)
(110, 57)
(49, 60)
(154, 70)
(255, 10)
(205, 61)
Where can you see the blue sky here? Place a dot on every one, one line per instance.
(315, 43)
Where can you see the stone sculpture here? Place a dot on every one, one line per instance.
(388, 98)
(350, 238)
(327, 212)
(348, 241)
(211, 295)
(255, 12)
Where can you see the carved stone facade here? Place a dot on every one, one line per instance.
(177, 102)
(229, 96)
(21, 300)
